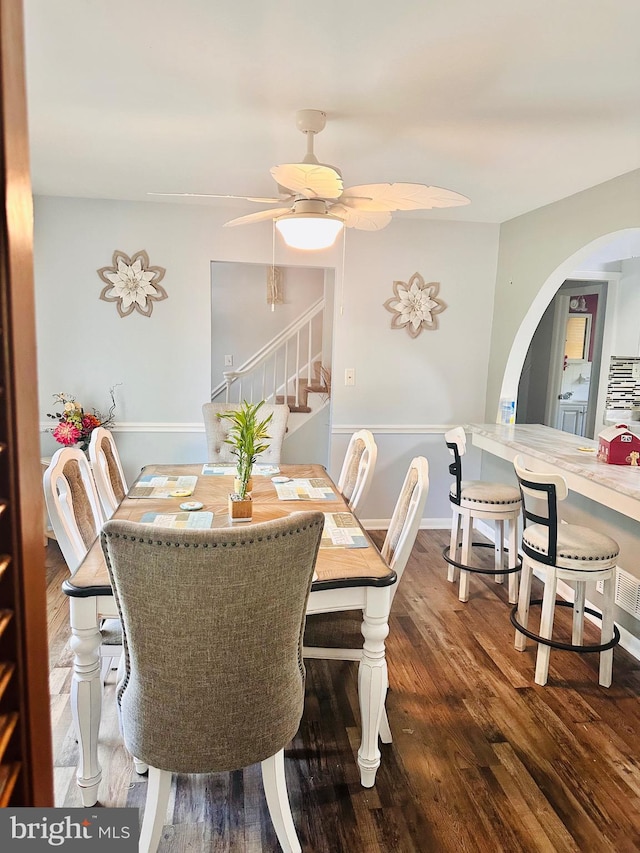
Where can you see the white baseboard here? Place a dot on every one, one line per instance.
(425, 524)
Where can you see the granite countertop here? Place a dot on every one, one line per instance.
(563, 450)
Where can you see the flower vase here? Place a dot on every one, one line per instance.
(240, 509)
(237, 485)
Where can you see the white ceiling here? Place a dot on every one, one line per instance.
(513, 103)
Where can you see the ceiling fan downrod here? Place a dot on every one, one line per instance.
(310, 122)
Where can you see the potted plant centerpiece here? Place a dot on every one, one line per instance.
(246, 436)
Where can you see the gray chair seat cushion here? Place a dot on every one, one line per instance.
(111, 630)
(476, 494)
(576, 544)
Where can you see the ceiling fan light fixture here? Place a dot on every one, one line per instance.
(309, 231)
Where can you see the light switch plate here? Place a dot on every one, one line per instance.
(228, 361)
(350, 376)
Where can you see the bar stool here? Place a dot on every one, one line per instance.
(476, 500)
(566, 552)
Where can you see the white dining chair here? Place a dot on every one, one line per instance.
(358, 467)
(396, 550)
(76, 516)
(108, 475)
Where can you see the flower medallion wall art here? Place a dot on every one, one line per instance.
(75, 425)
(132, 283)
(415, 305)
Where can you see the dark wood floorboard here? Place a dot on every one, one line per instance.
(482, 760)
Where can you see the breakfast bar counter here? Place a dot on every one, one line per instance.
(573, 456)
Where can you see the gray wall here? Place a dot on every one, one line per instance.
(407, 391)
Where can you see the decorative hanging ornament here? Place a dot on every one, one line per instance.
(415, 306)
(132, 283)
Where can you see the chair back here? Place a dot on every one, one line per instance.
(217, 430)
(406, 517)
(107, 470)
(456, 441)
(359, 464)
(72, 503)
(230, 604)
(540, 496)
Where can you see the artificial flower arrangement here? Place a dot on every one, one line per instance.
(75, 425)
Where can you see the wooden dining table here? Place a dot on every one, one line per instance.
(345, 578)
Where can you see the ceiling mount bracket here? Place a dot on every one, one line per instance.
(311, 121)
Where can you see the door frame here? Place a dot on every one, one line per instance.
(582, 287)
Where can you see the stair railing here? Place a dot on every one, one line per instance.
(280, 364)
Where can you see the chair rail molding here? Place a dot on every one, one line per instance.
(394, 429)
(146, 426)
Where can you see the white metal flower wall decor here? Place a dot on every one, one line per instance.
(414, 305)
(132, 283)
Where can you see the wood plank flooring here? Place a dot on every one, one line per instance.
(482, 758)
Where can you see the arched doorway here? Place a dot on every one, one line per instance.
(601, 260)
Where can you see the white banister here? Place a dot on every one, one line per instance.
(276, 359)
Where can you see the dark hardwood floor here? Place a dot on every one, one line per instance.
(482, 758)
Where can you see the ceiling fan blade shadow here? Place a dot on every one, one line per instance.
(400, 196)
(309, 179)
(261, 216)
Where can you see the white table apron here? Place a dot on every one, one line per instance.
(86, 689)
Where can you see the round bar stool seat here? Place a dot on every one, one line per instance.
(477, 500)
(568, 552)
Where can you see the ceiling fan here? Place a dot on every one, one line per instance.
(318, 206)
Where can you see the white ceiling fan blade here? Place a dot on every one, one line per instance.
(258, 199)
(261, 216)
(364, 220)
(309, 179)
(400, 197)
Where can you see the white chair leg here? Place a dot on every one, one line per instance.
(606, 658)
(499, 548)
(577, 630)
(523, 604)
(140, 767)
(385, 728)
(452, 573)
(155, 809)
(467, 528)
(546, 626)
(275, 789)
(512, 533)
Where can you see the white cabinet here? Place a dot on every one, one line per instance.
(571, 417)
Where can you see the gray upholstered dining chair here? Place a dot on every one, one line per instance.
(76, 517)
(107, 470)
(217, 429)
(357, 470)
(232, 604)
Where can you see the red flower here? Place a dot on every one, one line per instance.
(66, 433)
(90, 422)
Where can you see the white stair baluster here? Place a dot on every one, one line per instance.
(297, 379)
(309, 355)
(286, 371)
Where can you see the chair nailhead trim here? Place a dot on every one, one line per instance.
(485, 501)
(582, 558)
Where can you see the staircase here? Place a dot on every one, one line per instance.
(320, 384)
(288, 369)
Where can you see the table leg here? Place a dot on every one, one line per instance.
(86, 693)
(372, 680)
